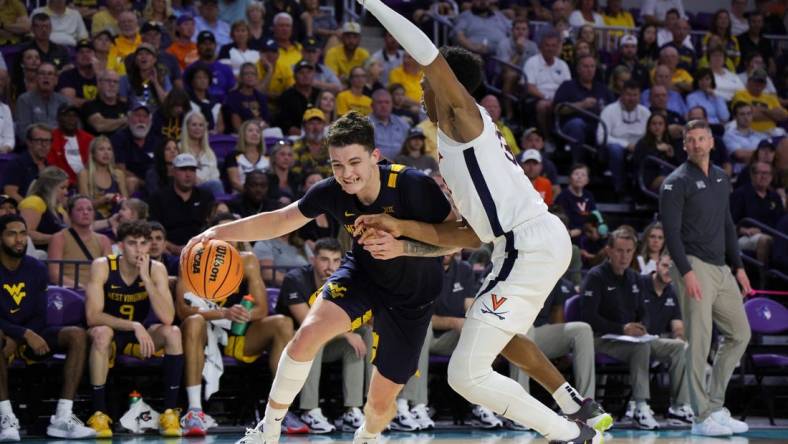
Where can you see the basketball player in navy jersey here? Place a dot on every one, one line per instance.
(531, 251)
(263, 332)
(398, 293)
(122, 294)
(24, 333)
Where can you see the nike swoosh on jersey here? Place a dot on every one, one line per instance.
(14, 310)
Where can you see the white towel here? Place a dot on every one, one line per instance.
(217, 336)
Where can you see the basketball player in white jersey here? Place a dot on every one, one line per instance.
(531, 251)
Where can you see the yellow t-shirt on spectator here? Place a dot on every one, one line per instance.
(104, 20)
(122, 47)
(679, 76)
(508, 136)
(765, 101)
(623, 19)
(8, 16)
(282, 78)
(337, 60)
(347, 102)
(411, 82)
(290, 56)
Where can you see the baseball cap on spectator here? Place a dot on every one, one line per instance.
(629, 39)
(351, 28)
(314, 113)
(270, 45)
(150, 26)
(531, 154)
(766, 143)
(147, 47)
(5, 198)
(139, 105)
(759, 75)
(183, 19)
(84, 43)
(303, 64)
(311, 43)
(184, 160)
(66, 108)
(205, 35)
(532, 130)
(416, 132)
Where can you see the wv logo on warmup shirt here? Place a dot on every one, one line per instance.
(497, 302)
(17, 291)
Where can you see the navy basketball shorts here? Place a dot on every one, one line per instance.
(397, 332)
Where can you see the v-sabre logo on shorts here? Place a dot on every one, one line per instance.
(497, 302)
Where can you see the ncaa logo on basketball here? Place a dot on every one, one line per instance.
(197, 261)
(218, 261)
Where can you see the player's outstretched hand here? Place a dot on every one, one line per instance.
(382, 245)
(381, 221)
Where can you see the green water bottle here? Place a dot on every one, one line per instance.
(239, 328)
(134, 397)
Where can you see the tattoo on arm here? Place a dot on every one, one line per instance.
(416, 248)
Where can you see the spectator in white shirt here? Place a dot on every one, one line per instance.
(726, 82)
(625, 120)
(756, 61)
(544, 73)
(68, 27)
(585, 14)
(739, 23)
(7, 141)
(654, 11)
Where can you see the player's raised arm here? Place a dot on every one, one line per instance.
(455, 110)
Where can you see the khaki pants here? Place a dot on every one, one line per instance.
(720, 305)
(557, 340)
(638, 356)
(352, 374)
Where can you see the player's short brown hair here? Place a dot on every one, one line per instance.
(136, 228)
(352, 128)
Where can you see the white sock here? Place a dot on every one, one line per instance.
(64, 407)
(194, 392)
(290, 378)
(274, 417)
(5, 408)
(364, 434)
(642, 405)
(402, 404)
(568, 399)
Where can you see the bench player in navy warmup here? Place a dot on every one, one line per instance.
(23, 332)
(531, 251)
(399, 294)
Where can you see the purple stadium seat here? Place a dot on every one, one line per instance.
(766, 317)
(572, 309)
(65, 307)
(273, 297)
(223, 145)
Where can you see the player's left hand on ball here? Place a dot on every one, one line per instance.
(382, 245)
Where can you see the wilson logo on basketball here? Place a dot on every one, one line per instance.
(213, 270)
(218, 261)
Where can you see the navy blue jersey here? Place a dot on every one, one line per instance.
(23, 298)
(405, 193)
(125, 301)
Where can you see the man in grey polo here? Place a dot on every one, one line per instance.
(700, 235)
(391, 130)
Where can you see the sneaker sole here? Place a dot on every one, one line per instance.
(57, 433)
(604, 423)
(195, 432)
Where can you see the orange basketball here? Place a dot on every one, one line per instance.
(212, 270)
